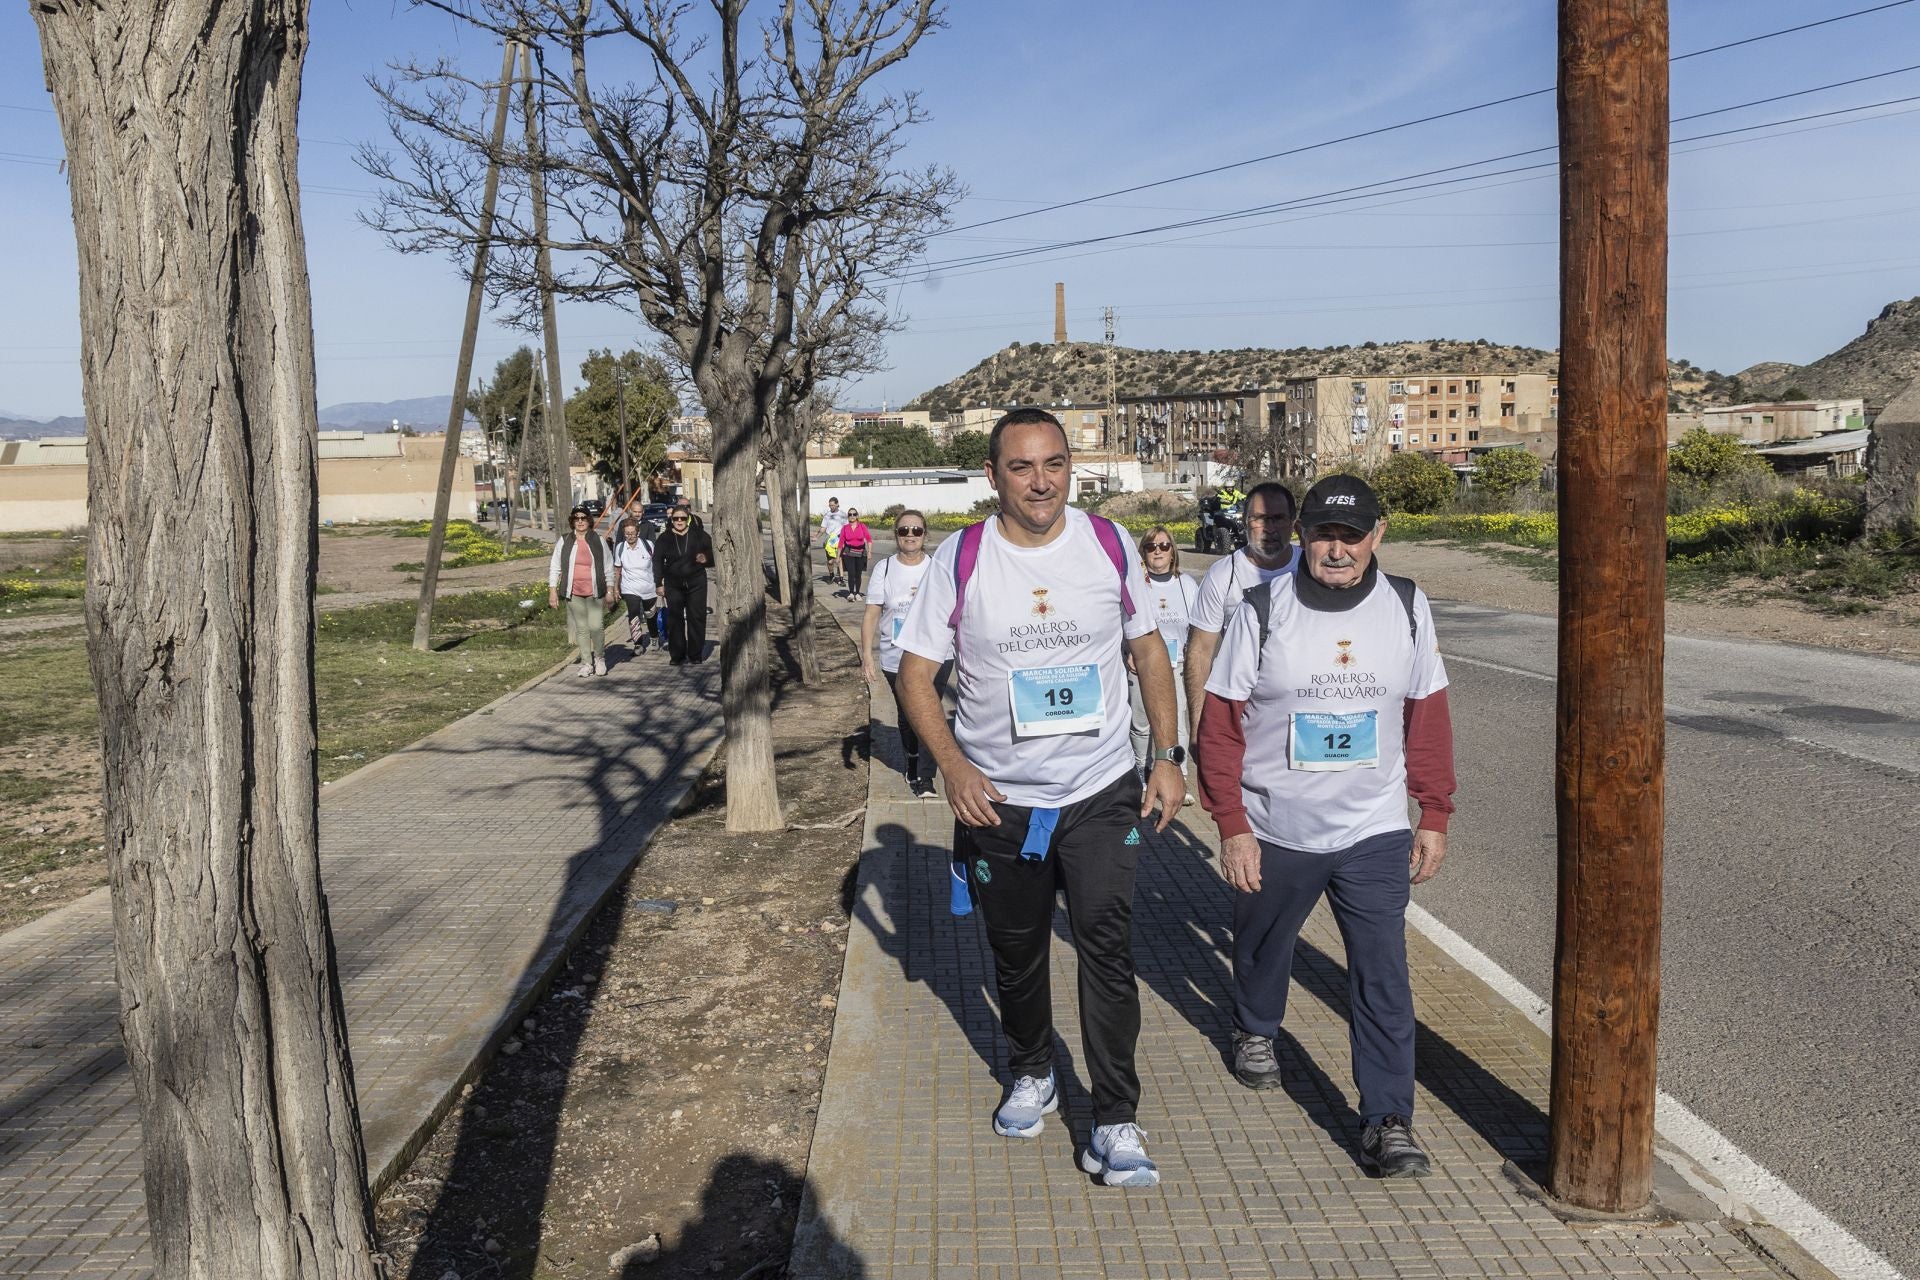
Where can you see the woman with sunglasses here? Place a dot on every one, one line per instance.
(582, 567)
(1170, 596)
(890, 593)
(681, 556)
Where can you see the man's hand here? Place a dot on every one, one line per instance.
(970, 795)
(1240, 862)
(1429, 851)
(1166, 788)
(613, 597)
(553, 598)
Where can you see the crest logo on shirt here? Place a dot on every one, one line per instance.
(1041, 608)
(1343, 655)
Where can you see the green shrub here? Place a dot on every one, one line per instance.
(1410, 482)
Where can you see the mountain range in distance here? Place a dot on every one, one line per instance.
(422, 413)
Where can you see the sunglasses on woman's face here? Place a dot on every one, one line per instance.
(1159, 546)
(677, 519)
(904, 532)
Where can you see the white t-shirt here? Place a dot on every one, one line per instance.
(1330, 692)
(1171, 603)
(1225, 585)
(893, 586)
(1042, 631)
(830, 522)
(636, 568)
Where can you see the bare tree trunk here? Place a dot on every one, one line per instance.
(197, 354)
(790, 472)
(746, 691)
(777, 504)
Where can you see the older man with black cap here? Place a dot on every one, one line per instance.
(1325, 709)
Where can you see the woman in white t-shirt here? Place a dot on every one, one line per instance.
(890, 593)
(1169, 598)
(633, 579)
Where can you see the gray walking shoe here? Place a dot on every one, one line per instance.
(1254, 1063)
(1389, 1150)
(1024, 1113)
(1117, 1156)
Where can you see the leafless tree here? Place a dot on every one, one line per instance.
(689, 198)
(197, 356)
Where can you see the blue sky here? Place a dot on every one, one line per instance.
(1786, 242)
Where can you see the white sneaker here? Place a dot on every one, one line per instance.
(1024, 1113)
(599, 666)
(1118, 1157)
(586, 668)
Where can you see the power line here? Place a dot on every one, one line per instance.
(1391, 128)
(1368, 190)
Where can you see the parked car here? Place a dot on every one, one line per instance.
(654, 516)
(594, 507)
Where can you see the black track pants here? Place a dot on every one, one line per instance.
(687, 618)
(1095, 851)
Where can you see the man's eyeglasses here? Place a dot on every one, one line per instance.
(1159, 546)
(904, 532)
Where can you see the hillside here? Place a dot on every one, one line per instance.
(1876, 366)
(1042, 373)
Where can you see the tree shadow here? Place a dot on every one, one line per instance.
(747, 1200)
(1183, 943)
(613, 760)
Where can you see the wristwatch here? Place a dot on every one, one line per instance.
(1175, 755)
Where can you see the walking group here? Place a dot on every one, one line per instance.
(1309, 685)
(659, 579)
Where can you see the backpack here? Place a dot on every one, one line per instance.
(969, 558)
(1260, 596)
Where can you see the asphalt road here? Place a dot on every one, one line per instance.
(1790, 969)
(1790, 973)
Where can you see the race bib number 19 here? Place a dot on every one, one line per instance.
(1054, 700)
(1326, 742)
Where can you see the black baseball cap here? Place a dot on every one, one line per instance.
(1340, 499)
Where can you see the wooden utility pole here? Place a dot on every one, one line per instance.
(1613, 546)
(557, 441)
(463, 369)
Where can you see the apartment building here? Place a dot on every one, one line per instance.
(1190, 426)
(1335, 421)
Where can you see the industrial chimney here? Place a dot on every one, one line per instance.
(1059, 312)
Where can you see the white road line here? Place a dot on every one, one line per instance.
(1759, 1194)
(1495, 666)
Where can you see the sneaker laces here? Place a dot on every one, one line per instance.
(1395, 1135)
(1255, 1052)
(1028, 1091)
(1126, 1144)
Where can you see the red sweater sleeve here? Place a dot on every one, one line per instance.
(1220, 752)
(1429, 735)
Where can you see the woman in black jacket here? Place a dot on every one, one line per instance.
(681, 555)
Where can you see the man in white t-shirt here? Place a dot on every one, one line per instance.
(1037, 606)
(1326, 709)
(1269, 553)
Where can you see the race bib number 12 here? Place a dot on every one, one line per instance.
(1326, 742)
(1055, 700)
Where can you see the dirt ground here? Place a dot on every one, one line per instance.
(356, 567)
(654, 1115)
(1448, 571)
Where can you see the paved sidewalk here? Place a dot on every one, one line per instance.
(908, 1179)
(456, 871)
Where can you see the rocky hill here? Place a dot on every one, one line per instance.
(1043, 373)
(1877, 365)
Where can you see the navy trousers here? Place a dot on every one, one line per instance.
(1367, 887)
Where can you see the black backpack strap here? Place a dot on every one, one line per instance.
(1403, 587)
(1260, 596)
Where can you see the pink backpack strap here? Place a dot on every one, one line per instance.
(963, 566)
(1110, 540)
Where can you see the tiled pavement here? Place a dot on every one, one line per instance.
(908, 1180)
(456, 872)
